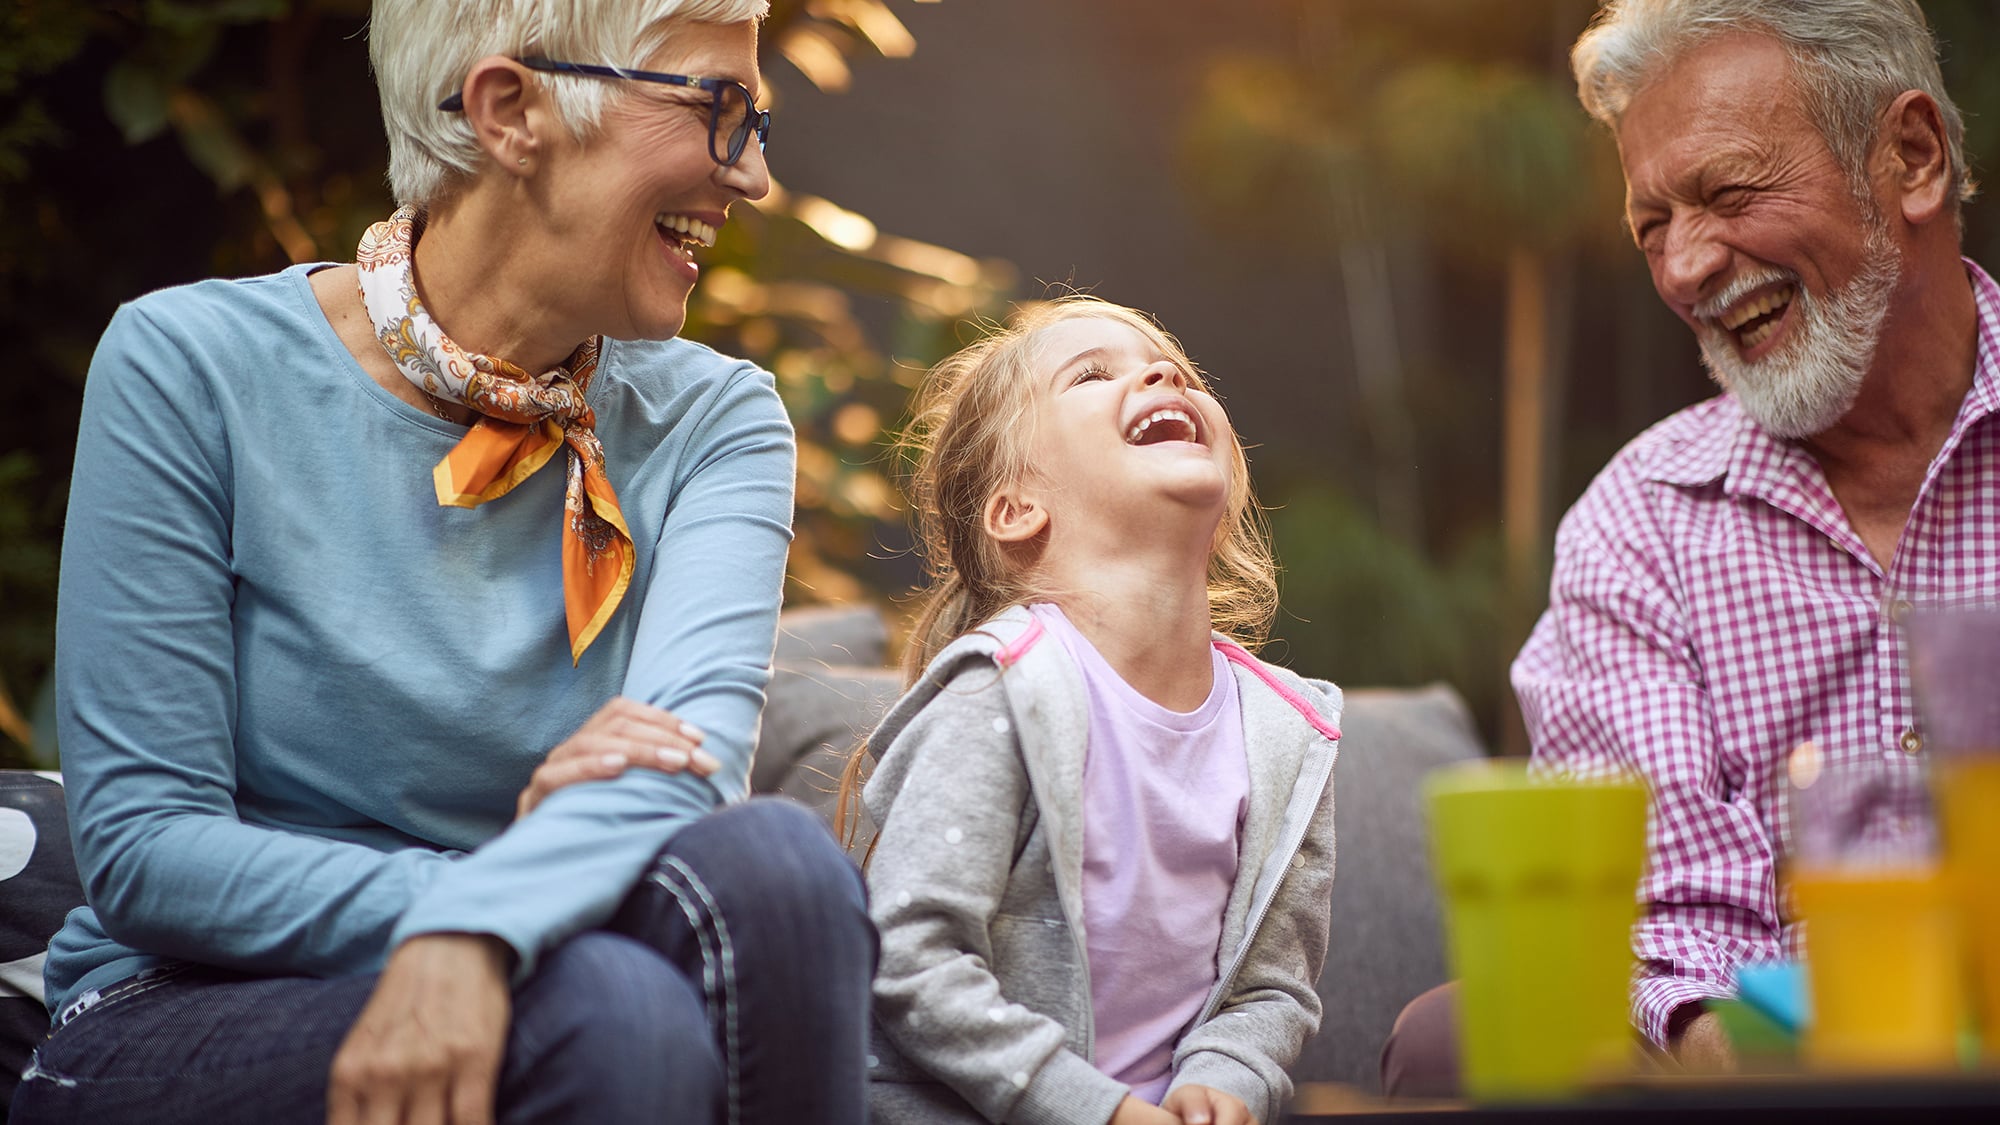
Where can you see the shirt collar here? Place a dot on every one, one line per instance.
(1708, 453)
(1984, 398)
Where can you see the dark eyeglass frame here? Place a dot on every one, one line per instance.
(755, 120)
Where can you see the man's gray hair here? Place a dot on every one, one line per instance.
(1850, 59)
(422, 49)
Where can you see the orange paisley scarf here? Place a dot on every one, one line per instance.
(523, 420)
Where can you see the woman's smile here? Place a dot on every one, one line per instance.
(644, 198)
(681, 233)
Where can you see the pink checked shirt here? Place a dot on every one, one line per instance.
(1711, 609)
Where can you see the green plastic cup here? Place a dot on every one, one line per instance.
(1539, 880)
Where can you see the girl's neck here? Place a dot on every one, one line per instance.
(1149, 621)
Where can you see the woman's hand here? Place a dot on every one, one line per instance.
(426, 1049)
(1132, 1111)
(623, 734)
(1206, 1105)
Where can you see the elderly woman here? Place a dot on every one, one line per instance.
(353, 548)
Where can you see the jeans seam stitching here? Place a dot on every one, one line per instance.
(718, 965)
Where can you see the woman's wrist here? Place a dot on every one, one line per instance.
(485, 951)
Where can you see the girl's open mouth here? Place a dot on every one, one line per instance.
(1166, 424)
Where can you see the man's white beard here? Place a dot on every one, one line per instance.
(1810, 382)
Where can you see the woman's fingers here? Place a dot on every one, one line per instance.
(603, 757)
(588, 742)
(428, 1106)
(381, 1100)
(343, 1107)
(469, 1101)
(624, 721)
(427, 1047)
(623, 734)
(553, 774)
(634, 719)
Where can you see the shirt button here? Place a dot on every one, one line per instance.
(1912, 742)
(1899, 611)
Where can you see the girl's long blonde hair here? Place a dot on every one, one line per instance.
(970, 436)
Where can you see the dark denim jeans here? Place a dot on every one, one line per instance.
(731, 986)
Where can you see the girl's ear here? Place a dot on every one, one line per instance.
(1011, 517)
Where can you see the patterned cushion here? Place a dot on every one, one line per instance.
(38, 884)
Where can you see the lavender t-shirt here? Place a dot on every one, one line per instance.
(1164, 795)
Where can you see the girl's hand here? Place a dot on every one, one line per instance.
(427, 1047)
(1132, 1111)
(1206, 1105)
(623, 734)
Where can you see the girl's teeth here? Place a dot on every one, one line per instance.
(1140, 427)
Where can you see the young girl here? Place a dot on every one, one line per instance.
(1106, 830)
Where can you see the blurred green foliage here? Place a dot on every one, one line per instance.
(146, 143)
(1357, 598)
(1434, 151)
(27, 580)
(1396, 145)
(1415, 144)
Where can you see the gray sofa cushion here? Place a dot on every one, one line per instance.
(1385, 946)
(816, 715)
(828, 689)
(827, 692)
(852, 636)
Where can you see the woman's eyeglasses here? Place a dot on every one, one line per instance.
(732, 113)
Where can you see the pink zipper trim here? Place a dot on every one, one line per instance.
(1015, 650)
(1021, 644)
(1235, 654)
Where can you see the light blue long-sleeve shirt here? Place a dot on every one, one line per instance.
(296, 697)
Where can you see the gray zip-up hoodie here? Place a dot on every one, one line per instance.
(982, 1001)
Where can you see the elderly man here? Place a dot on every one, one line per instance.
(1731, 584)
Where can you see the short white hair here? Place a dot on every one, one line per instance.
(422, 49)
(1850, 59)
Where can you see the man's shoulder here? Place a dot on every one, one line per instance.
(1688, 448)
(1670, 465)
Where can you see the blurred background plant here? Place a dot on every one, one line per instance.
(1384, 226)
(1501, 329)
(150, 142)
(1502, 179)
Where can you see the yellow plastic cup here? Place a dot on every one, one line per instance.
(1968, 803)
(1882, 961)
(1540, 883)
